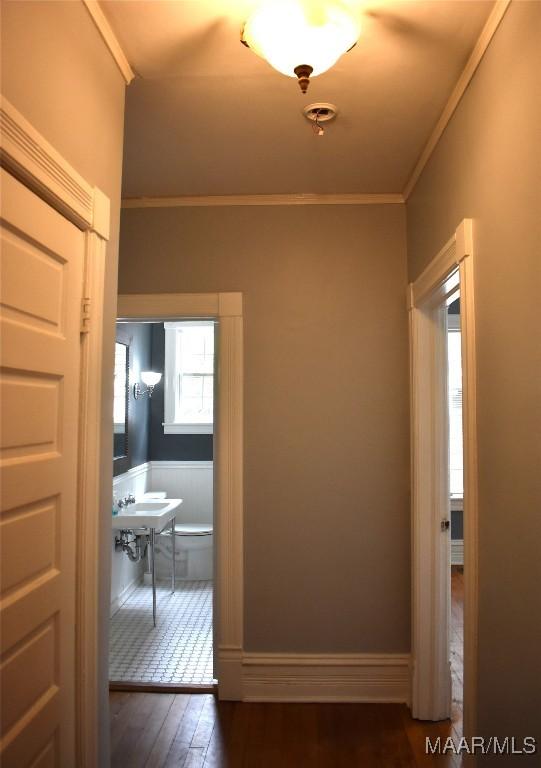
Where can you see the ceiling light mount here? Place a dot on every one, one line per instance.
(319, 112)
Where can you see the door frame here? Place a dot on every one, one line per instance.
(429, 468)
(227, 309)
(30, 158)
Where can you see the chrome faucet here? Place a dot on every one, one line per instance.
(129, 499)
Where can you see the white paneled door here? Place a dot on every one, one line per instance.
(41, 283)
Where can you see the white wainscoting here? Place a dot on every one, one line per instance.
(191, 481)
(355, 677)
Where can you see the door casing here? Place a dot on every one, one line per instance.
(227, 309)
(31, 159)
(452, 267)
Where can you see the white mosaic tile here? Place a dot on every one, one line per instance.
(178, 650)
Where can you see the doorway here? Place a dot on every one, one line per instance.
(456, 509)
(227, 477)
(450, 272)
(162, 575)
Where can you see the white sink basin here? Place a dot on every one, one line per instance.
(150, 513)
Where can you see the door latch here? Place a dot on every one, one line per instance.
(445, 525)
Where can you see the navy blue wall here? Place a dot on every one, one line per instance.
(138, 335)
(170, 447)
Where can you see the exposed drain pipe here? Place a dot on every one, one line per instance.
(123, 543)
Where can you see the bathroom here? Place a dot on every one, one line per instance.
(161, 630)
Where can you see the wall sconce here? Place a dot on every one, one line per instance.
(150, 378)
(301, 38)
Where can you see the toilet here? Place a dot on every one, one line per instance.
(193, 543)
(193, 549)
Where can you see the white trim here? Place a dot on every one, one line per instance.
(430, 495)
(188, 429)
(487, 33)
(470, 506)
(110, 39)
(456, 503)
(26, 154)
(180, 464)
(285, 199)
(144, 306)
(457, 551)
(355, 677)
(228, 466)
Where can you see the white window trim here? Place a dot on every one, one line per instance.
(187, 429)
(170, 426)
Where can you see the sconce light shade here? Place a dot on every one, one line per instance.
(150, 378)
(301, 34)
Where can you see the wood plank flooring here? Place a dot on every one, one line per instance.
(457, 646)
(189, 730)
(156, 730)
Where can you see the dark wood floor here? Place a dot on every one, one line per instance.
(457, 644)
(162, 730)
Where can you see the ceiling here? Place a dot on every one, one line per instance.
(206, 116)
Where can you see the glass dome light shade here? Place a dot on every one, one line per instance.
(150, 378)
(290, 33)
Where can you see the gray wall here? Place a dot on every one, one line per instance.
(57, 71)
(327, 537)
(488, 166)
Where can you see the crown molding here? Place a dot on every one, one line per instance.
(110, 39)
(290, 199)
(487, 33)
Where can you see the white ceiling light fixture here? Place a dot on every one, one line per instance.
(301, 38)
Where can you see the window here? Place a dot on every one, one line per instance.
(189, 377)
(454, 362)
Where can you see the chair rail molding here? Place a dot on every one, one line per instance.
(431, 552)
(228, 464)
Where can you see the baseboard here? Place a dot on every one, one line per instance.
(457, 551)
(326, 678)
(121, 598)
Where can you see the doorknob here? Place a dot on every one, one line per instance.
(445, 524)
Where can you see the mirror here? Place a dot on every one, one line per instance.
(121, 400)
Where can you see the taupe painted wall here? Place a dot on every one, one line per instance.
(488, 167)
(58, 73)
(326, 407)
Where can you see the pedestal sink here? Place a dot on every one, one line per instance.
(154, 515)
(150, 513)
